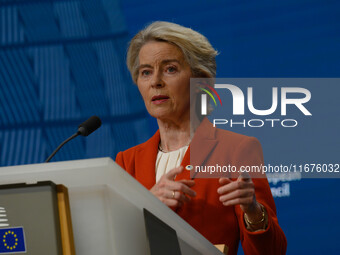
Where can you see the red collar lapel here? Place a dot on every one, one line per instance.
(202, 144)
(146, 157)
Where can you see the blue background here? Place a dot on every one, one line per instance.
(62, 61)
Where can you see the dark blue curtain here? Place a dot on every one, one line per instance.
(61, 62)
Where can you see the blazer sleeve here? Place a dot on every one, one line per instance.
(126, 160)
(120, 160)
(272, 240)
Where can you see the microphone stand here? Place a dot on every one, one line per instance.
(61, 145)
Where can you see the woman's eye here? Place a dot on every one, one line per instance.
(171, 69)
(145, 72)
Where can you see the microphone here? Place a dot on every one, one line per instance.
(90, 125)
(84, 129)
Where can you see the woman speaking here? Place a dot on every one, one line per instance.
(162, 58)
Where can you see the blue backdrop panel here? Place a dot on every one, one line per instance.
(17, 89)
(61, 62)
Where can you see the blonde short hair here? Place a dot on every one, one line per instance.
(195, 47)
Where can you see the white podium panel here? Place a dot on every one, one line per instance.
(107, 207)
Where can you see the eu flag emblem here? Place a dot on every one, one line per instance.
(12, 240)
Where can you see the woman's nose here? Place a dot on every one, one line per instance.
(157, 81)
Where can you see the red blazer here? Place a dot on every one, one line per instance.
(218, 223)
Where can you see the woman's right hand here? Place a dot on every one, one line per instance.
(173, 193)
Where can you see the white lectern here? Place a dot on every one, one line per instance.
(107, 207)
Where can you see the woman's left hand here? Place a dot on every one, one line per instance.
(240, 192)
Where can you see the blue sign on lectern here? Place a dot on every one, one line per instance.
(12, 240)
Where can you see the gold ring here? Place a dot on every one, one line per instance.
(173, 194)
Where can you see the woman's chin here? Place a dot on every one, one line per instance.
(161, 114)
